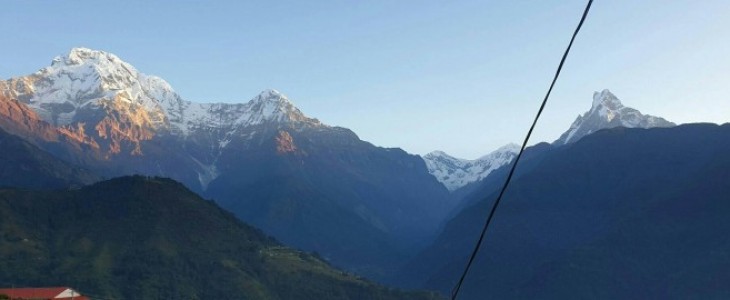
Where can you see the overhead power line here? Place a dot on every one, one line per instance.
(457, 288)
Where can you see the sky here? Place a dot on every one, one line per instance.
(464, 77)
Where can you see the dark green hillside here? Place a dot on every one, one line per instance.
(26, 166)
(141, 238)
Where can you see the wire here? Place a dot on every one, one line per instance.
(457, 288)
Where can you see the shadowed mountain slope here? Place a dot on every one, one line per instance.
(311, 185)
(23, 165)
(622, 213)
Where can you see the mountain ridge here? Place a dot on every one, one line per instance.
(606, 112)
(104, 103)
(455, 173)
(264, 160)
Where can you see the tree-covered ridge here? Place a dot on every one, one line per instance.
(151, 238)
(24, 165)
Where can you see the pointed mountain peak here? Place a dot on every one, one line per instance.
(272, 106)
(83, 79)
(271, 94)
(606, 99)
(438, 153)
(85, 56)
(81, 53)
(91, 68)
(511, 147)
(273, 97)
(607, 111)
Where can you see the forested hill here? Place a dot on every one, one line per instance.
(151, 238)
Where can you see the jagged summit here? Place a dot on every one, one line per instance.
(269, 107)
(271, 95)
(272, 106)
(102, 70)
(606, 99)
(455, 173)
(437, 153)
(81, 55)
(607, 111)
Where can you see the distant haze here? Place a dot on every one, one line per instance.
(464, 77)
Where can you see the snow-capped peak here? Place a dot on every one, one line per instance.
(607, 111)
(97, 97)
(455, 173)
(79, 56)
(439, 153)
(606, 99)
(98, 69)
(84, 80)
(272, 106)
(509, 148)
(271, 94)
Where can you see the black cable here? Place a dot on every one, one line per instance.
(457, 288)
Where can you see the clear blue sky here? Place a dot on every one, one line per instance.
(460, 76)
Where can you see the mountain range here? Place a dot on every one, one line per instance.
(606, 112)
(598, 213)
(455, 173)
(264, 160)
(134, 121)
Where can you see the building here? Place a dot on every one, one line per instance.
(46, 293)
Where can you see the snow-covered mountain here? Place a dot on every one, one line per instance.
(105, 104)
(317, 187)
(455, 173)
(84, 86)
(86, 80)
(608, 112)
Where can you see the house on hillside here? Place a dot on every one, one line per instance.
(47, 293)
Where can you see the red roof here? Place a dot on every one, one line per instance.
(46, 293)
